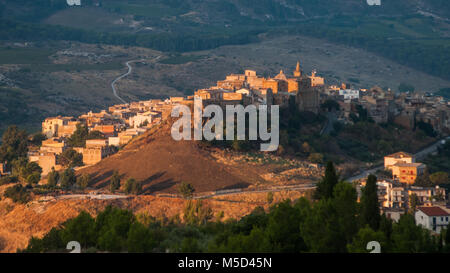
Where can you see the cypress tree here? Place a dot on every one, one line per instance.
(326, 186)
(370, 210)
(447, 237)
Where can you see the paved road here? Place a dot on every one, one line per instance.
(421, 154)
(92, 196)
(275, 189)
(130, 70)
(199, 196)
(431, 149)
(329, 126)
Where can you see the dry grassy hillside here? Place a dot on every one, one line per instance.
(19, 222)
(161, 163)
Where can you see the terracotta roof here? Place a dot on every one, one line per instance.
(434, 211)
(400, 155)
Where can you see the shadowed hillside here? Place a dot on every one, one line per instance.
(160, 163)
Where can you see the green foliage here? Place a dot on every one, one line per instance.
(255, 242)
(329, 226)
(78, 138)
(67, 179)
(407, 237)
(269, 197)
(441, 161)
(18, 194)
(115, 182)
(37, 139)
(132, 186)
(14, 144)
(112, 226)
(52, 178)
(370, 210)
(26, 171)
(83, 181)
(195, 213)
(365, 235)
(316, 158)
(80, 229)
(325, 187)
(320, 229)
(282, 228)
(10, 179)
(447, 237)
(414, 202)
(71, 158)
(50, 242)
(140, 239)
(426, 128)
(95, 135)
(330, 105)
(34, 178)
(162, 41)
(369, 142)
(186, 190)
(438, 178)
(345, 204)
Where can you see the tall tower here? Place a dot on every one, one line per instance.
(298, 71)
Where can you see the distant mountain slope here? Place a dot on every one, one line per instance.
(214, 10)
(415, 33)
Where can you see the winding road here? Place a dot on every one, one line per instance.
(130, 70)
(329, 126)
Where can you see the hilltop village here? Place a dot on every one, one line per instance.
(112, 128)
(109, 130)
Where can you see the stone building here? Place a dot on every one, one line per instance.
(54, 145)
(95, 151)
(407, 172)
(400, 157)
(308, 98)
(59, 126)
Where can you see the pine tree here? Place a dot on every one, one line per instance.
(68, 178)
(370, 210)
(14, 144)
(326, 186)
(78, 138)
(53, 178)
(115, 182)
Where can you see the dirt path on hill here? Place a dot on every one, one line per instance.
(130, 70)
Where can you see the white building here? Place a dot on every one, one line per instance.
(432, 218)
(141, 118)
(349, 94)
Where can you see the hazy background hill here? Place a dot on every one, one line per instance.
(216, 10)
(202, 40)
(412, 32)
